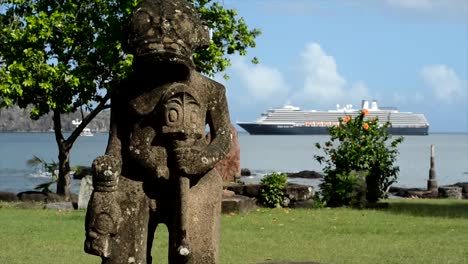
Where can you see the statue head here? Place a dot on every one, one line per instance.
(166, 31)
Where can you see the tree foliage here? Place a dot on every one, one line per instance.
(358, 149)
(61, 56)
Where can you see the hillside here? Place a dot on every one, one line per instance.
(15, 119)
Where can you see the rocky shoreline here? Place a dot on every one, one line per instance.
(297, 196)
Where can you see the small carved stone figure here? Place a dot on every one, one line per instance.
(158, 166)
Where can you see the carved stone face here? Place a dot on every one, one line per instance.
(182, 113)
(166, 31)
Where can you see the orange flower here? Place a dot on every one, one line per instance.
(365, 112)
(347, 118)
(365, 126)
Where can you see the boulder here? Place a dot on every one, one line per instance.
(86, 188)
(238, 204)
(305, 174)
(464, 186)
(407, 192)
(229, 167)
(228, 193)
(250, 190)
(245, 172)
(453, 192)
(33, 196)
(8, 197)
(296, 192)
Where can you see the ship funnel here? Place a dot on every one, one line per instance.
(365, 104)
(374, 105)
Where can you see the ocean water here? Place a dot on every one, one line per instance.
(261, 154)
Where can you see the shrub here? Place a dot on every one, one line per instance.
(272, 192)
(358, 150)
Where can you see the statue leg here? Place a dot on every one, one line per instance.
(203, 227)
(129, 244)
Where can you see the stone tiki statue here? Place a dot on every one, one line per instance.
(158, 166)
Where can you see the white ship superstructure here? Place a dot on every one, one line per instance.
(292, 120)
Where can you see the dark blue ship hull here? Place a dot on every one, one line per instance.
(269, 129)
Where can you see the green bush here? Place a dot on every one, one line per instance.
(358, 149)
(272, 192)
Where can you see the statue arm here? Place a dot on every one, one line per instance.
(107, 168)
(218, 120)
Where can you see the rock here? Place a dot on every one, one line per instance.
(86, 188)
(228, 193)
(245, 172)
(303, 204)
(453, 192)
(252, 190)
(464, 186)
(408, 192)
(305, 174)
(229, 167)
(33, 196)
(61, 206)
(8, 197)
(296, 192)
(237, 189)
(238, 204)
(285, 202)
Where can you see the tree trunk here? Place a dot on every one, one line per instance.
(64, 179)
(64, 147)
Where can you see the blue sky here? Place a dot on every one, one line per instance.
(412, 54)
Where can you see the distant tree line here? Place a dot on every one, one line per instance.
(15, 119)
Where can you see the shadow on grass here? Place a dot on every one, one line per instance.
(432, 208)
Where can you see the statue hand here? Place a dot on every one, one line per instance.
(191, 160)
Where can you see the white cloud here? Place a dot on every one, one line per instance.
(322, 81)
(262, 82)
(446, 85)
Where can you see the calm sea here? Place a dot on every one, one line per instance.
(261, 154)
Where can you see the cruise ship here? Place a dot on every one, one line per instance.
(291, 120)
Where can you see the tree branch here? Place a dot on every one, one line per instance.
(101, 106)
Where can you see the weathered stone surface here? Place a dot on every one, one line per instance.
(158, 167)
(252, 190)
(8, 197)
(297, 192)
(229, 167)
(303, 204)
(238, 204)
(61, 206)
(453, 192)
(294, 192)
(33, 196)
(86, 188)
(245, 172)
(228, 193)
(305, 174)
(464, 186)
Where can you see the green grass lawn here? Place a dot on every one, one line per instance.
(409, 231)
